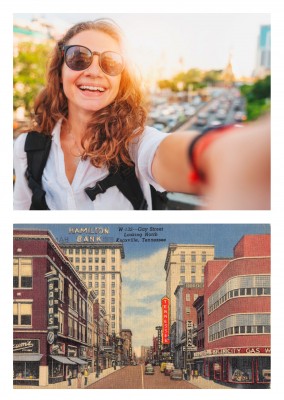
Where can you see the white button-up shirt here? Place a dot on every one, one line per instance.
(61, 195)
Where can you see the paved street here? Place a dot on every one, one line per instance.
(133, 377)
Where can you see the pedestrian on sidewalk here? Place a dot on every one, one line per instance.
(86, 374)
(69, 377)
(185, 376)
(79, 380)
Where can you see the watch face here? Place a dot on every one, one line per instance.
(50, 337)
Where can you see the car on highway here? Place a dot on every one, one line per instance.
(149, 369)
(176, 374)
(215, 123)
(240, 116)
(221, 114)
(202, 119)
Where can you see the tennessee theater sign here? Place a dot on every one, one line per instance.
(165, 304)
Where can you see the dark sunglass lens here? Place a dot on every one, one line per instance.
(111, 63)
(78, 58)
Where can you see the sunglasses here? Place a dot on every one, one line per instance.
(79, 58)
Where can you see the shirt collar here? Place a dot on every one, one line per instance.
(56, 132)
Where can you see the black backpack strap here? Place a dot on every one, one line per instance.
(37, 147)
(159, 199)
(126, 180)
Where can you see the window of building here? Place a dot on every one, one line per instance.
(113, 292)
(187, 310)
(61, 287)
(83, 276)
(112, 276)
(103, 284)
(97, 259)
(96, 251)
(103, 276)
(22, 314)
(75, 300)
(103, 251)
(195, 296)
(90, 276)
(71, 259)
(113, 259)
(113, 309)
(89, 284)
(112, 300)
(182, 269)
(113, 267)
(77, 251)
(113, 317)
(203, 256)
(60, 321)
(103, 292)
(90, 268)
(84, 267)
(182, 280)
(187, 297)
(182, 256)
(103, 261)
(83, 259)
(90, 259)
(77, 259)
(22, 273)
(193, 279)
(193, 269)
(113, 284)
(112, 251)
(193, 257)
(96, 284)
(103, 300)
(90, 251)
(96, 276)
(83, 251)
(70, 251)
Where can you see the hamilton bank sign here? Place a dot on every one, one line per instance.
(86, 234)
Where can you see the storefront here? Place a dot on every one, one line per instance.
(26, 362)
(245, 367)
(58, 367)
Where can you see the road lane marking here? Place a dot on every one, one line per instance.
(142, 375)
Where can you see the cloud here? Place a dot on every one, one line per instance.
(143, 281)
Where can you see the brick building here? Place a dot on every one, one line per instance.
(49, 312)
(234, 316)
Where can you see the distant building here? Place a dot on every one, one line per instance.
(99, 266)
(233, 333)
(126, 335)
(263, 57)
(185, 264)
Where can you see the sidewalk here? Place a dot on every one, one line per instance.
(74, 382)
(203, 383)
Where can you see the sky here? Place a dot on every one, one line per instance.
(164, 44)
(143, 274)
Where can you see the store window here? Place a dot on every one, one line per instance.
(55, 370)
(241, 369)
(25, 370)
(263, 369)
(22, 314)
(22, 273)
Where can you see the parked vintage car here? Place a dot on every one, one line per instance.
(176, 375)
(169, 368)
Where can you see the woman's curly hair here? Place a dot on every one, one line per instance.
(110, 129)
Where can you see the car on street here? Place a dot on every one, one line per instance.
(149, 369)
(240, 116)
(163, 366)
(169, 368)
(202, 119)
(176, 374)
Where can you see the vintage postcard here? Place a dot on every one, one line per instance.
(141, 306)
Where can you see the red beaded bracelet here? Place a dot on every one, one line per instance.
(197, 147)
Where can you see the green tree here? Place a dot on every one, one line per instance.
(29, 73)
(257, 97)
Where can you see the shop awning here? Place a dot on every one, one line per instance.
(78, 360)
(63, 360)
(27, 357)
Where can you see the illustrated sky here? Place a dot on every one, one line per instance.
(145, 247)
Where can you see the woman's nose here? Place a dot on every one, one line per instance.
(95, 68)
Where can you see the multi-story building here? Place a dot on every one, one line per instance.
(263, 60)
(235, 316)
(185, 296)
(99, 266)
(50, 314)
(185, 264)
(126, 335)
